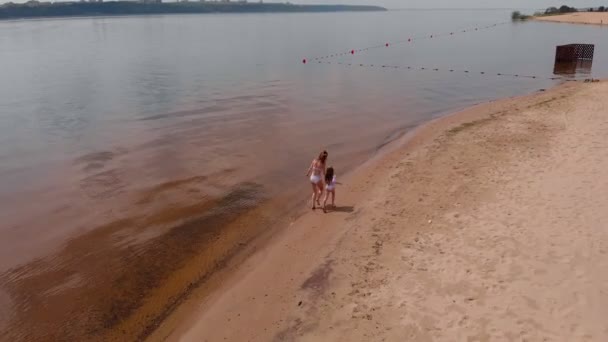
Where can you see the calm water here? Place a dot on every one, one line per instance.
(136, 143)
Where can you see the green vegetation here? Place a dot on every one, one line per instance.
(556, 11)
(567, 9)
(36, 9)
(516, 15)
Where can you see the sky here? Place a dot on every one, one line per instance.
(427, 4)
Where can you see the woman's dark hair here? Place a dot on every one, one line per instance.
(329, 175)
(322, 156)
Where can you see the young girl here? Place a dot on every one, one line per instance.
(330, 187)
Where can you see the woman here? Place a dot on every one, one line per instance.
(316, 171)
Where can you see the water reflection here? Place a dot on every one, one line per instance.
(572, 69)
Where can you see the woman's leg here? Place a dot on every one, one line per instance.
(314, 194)
(320, 186)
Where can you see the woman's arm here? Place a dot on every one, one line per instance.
(310, 168)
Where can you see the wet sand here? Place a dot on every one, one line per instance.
(485, 225)
(594, 18)
(123, 235)
(121, 278)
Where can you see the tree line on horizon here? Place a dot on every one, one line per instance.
(517, 15)
(35, 9)
(567, 9)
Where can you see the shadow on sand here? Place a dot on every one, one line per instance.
(340, 209)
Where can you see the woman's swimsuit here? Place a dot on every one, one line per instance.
(315, 178)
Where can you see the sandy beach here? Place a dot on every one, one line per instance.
(595, 18)
(487, 225)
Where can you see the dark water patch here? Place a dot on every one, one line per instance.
(186, 113)
(149, 194)
(103, 184)
(124, 288)
(101, 156)
(191, 184)
(95, 161)
(219, 106)
(318, 281)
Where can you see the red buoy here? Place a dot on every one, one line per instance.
(409, 40)
(352, 52)
(304, 61)
(386, 44)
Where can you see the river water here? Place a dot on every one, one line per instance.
(138, 153)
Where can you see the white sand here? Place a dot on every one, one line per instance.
(488, 225)
(596, 18)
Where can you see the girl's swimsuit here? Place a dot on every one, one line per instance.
(331, 185)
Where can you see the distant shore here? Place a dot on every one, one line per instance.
(482, 225)
(117, 8)
(590, 18)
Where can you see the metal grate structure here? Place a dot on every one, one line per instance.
(574, 52)
(581, 67)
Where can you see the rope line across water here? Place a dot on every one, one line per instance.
(470, 72)
(409, 40)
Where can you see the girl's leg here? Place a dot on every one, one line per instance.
(325, 200)
(333, 198)
(314, 195)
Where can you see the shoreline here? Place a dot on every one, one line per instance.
(156, 276)
(239, 290)
(205, 290)
(137, 212)
(581, 18)
(95, 9)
